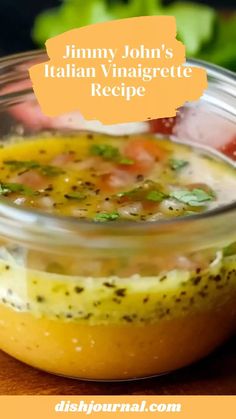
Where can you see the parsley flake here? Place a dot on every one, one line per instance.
(8, 188)
(106, 216)
(194, 198)
(177, 164)
(46, 170)
(109, 152)
(148, 190)
(126, 160)
(155, 196)
(106, 151)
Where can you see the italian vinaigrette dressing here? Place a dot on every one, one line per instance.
(119, 316)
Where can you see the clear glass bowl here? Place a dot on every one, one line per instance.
(160, 317)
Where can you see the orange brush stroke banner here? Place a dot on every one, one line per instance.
(181, 407)
(83, 59)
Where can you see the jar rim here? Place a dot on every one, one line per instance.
(48, 228)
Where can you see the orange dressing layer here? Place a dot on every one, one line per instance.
(113, 352)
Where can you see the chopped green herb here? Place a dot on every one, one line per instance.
(106, 151)
(109, 152)
(75, 195)
(148, 190)
(177, 164)
(155, 196)
(194, 198)
(46, 170)
(126, 160)
(18, 164)
(8, 188)
(106, 216)
(51, 170)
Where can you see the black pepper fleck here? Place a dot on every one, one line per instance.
(197, 280)
(108, 285)
(40, 299)
(127, 319)
(120, 292)
(78, 290)
(116, 300)
(202, 294)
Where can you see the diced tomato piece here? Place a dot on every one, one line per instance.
(230, 149)
(116, 179)
(32, 179)
(63, 159)
(145, 153)
(163, 125)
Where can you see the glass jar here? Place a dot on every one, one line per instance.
(59, 314)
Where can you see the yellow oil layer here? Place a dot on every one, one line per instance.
(113, 351)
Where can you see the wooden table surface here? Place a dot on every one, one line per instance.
(214, 375)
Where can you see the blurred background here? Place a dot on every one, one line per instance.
(207, 27)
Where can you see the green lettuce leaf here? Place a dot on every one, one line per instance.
(195, 24)
(194, 21)
(71, 14)
(205, 34)
(222, 50)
